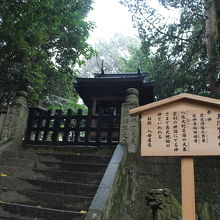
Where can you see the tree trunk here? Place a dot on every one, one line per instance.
(212, 28)
(213, 39)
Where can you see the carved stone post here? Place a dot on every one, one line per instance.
(16, 120)
(130, 126)
(3, 113)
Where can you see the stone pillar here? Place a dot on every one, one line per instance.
(3, 113)
(130, 126)
(16, 120)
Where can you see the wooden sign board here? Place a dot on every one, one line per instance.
(183, 125)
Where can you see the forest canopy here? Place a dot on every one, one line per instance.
(174, 53)
(41, 42)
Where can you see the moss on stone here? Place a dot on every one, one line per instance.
(119, 197)
(203, 211)
(178, 208)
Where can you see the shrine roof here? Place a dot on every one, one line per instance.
(116, 76)
(114, 85)
(121, 75)
(182, 96)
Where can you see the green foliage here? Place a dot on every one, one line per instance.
(54, 102)
(40, 43)
(174, 52)
(115, 53)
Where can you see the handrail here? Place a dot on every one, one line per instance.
(102, 202)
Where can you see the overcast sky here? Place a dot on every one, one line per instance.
(111, 18)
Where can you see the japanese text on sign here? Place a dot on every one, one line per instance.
(180, 131)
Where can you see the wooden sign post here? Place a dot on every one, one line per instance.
(188, 188)
(184, 125)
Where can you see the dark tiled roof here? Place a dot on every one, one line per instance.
(115, 85)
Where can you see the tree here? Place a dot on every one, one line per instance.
(115, 53)
(212, 13)
(40, 43)
(175, 52)
(212, 9)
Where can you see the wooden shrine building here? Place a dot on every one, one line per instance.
(103, 95)
(107, 92)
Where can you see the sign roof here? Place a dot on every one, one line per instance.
(182, 97)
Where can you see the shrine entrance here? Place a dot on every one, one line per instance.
(103, 95)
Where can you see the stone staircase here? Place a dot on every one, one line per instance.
(50, 182)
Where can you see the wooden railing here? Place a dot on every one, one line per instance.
(71, 129)
(3, 113)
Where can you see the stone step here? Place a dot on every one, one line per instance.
(14, 210)
(14, 217)
(67, 188)
(18, 154)
(16, 162)
(50, 182)
(72, 176)
(45, 199)
(56, 175)
(103, 159)
(83, 167)
(24, 172)
(77, 149)
(60, 157)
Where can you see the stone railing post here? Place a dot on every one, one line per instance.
(16, 120)
(3, 113)
(130, 126)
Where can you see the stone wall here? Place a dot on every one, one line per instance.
(142, 174)
(147, 173)
(207, 170)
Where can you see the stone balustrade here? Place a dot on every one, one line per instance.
(13, 122)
